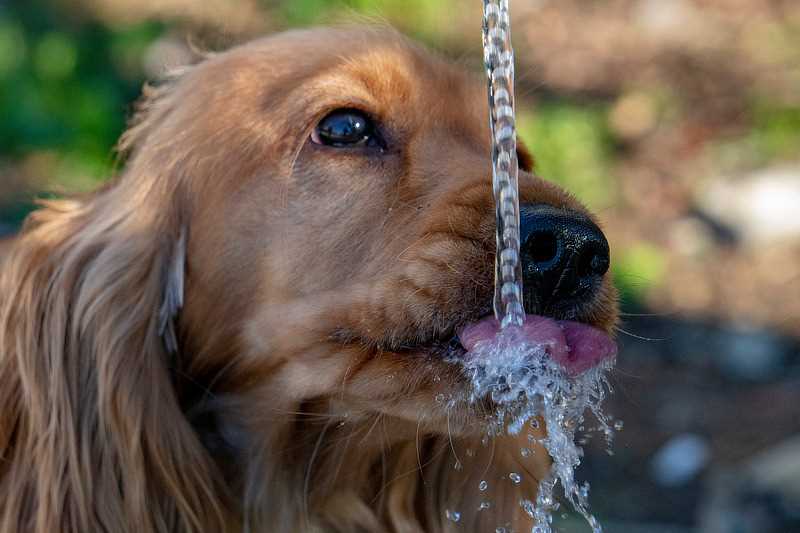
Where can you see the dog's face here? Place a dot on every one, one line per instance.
(342, 221)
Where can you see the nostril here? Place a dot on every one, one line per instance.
(542, 247)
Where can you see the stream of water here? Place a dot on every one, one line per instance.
(525, 383)
(529, 388)
(498, 57)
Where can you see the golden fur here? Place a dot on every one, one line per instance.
(230, 335)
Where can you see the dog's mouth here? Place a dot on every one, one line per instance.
(575, 346)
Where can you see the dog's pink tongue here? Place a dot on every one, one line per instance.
(575, 346)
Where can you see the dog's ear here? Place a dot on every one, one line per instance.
(92, 434)
(157, 101)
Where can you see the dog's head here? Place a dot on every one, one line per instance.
(308, 221)
(342, 216)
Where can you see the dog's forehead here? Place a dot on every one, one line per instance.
(374, 62)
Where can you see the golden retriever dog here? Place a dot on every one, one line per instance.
(251, 328)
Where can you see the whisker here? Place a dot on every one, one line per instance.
(309, 414)
(626, 374)
(307, 480)
(342, 386)
(669, 313)
(342, 455)
(635, 336)
(491, 459)
(372, 427)
(450, 436)
(384, 472)
(525, 469)
(208, 389)
(416, 445)
(400, 255)
(433, 457)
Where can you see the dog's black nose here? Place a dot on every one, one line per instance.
(564, 258)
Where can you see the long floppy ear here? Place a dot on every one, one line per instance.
(92, 435)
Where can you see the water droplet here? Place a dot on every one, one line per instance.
(457, 466)
(515, 478)
(525, 452)
(527, 506)
(484, 505)
(483, 485)
(618, 425)
(453, 516)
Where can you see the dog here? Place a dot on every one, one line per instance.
(252, 326)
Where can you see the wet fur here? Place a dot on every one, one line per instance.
(226, 337)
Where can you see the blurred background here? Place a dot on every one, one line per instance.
(678, 121)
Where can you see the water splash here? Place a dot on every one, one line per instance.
(526, 386)
(498, 56)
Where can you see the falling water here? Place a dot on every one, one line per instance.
(499, 60)
(525, 383)
(527, 386)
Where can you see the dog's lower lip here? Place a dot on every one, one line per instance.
(577, 347)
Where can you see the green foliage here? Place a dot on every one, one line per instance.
(776, 131)
(67, 88)
(421, 18)
(572, 146)
(637, 269)
(773, 135)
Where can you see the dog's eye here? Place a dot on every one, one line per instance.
(344, 127)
